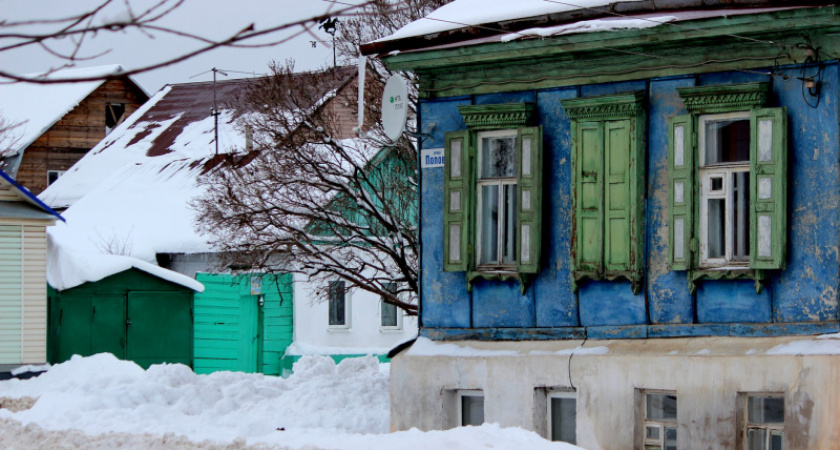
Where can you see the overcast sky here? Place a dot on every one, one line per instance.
(210, 18)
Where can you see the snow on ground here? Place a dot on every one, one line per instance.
(102, 402)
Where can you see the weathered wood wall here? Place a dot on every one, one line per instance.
(76, 133)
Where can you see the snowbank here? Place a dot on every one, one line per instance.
(322, 405)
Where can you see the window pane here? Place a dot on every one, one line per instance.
(776, 440)
(661, 407)
(472, 410)
(563, 416)
(336, 299)
(388, 312)
(741, 211)
(670, 438)
(727, 141)
(764, 410)
(489, 224)
(498, 157)
(509, 224)
(652, 433)
(755, 439)
(716, 228)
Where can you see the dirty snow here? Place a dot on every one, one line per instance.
(102, 402)
(826, 344)
(462, 13)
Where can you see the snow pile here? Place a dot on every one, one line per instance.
(322, 405)
(463, 13)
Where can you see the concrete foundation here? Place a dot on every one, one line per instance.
(711, 377)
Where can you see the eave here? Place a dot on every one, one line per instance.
(721, 43)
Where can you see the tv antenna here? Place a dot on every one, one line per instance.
(215, 111)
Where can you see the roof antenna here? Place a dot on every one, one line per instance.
(215, 111)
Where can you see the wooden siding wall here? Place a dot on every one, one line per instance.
(24, 296)
(76, 133)
(34, 294)
(345, 110)
(7, 193)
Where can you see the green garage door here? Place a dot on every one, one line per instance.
(159, 328)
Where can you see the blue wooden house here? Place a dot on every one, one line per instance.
(634, 239)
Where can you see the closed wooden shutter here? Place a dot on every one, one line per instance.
(681, 191)
(617, 191)
(529, 182)
(457, 202)
(768, 188)
(589, 196)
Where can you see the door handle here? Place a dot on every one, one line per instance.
(127, 322)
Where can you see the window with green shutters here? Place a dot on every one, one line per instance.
(727, 184)
(608, 135)
(492, 193)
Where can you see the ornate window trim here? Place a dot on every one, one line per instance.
(725, 98)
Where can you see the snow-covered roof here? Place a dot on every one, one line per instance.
(131, 194)
(37, 107)
(464, 13)
(470, 22)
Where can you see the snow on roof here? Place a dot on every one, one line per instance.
(131, 194)
(37, 107)
(464, 13)
(68, 269)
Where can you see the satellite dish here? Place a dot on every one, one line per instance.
(394, 107)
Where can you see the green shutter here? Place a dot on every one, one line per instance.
(588, 196)
(457, 202)
(768, 188)
(681, 191)
(618, 200)
(529, 226)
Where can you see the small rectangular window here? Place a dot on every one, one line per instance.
(765, 422)
(113, 115)
(660, 424)
(53, 175)
(562, 416)
(389, 318)
(471, 407)
(337, 304)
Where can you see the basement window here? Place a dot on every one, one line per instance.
(764, 422)
(660, 425)
(562, 416)
(470, 407)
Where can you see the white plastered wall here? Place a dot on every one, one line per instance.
(707, 375)
(312, 333)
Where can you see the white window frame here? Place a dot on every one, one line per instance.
(461, 393)
(501, 182)
(399, 321)
(650, 443)
(562, 393)
(770, 427)
(706, 173)
(347, 311)
(59, 173)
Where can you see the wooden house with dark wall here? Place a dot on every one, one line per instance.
(633, 240)
(59, 123)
